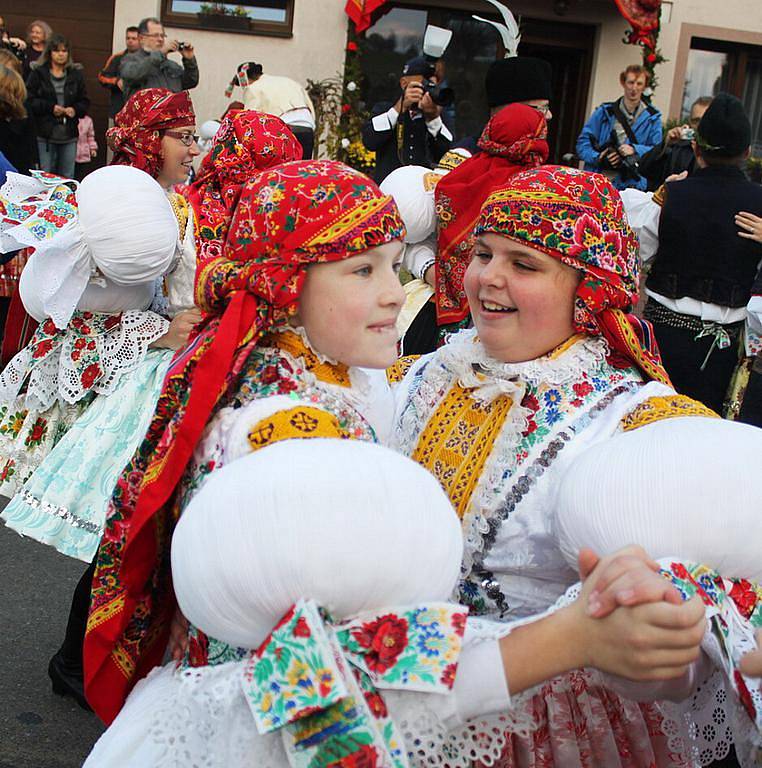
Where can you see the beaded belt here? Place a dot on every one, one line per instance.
(723, 335)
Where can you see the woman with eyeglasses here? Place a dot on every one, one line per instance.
(63, 503)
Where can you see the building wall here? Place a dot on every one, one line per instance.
(315, 51)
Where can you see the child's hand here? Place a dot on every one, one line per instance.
(179, 330)
(655, 641)
(627, 578)
(751, 663)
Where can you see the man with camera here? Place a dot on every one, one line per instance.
(149, 67)
(675, 154)
(410, 131)
(619, 133)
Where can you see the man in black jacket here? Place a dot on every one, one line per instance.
(109, 78)
(410, 131)
(702, 274)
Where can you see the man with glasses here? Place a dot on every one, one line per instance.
(675, 154)
(149, 67)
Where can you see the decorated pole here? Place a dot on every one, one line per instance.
(643, 16)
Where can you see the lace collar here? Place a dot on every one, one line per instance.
(294, 341)
(464, 355)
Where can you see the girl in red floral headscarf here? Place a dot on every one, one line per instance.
(556, 405)
(306, 288)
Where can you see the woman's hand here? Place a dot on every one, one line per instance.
(750, 225)
(178, 636)
(627, 578)
(179, 330)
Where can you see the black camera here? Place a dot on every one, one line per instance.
(440, 95)
(628, 168)
(181, 46)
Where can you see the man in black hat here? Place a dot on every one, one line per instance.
(410, 131)
(702, 274)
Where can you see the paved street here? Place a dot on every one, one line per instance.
(37, 729)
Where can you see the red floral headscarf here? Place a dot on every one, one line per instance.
(135, 138)
(287, 218)
(513, 139)
(247, 142)
(578, 218)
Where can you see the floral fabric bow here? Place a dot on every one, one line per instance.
(318, 679)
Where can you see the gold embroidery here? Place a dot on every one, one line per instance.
(296, 423)
(457, 441)
(396, 372)
(328, 372)
(180, 209)
(347, 222)
(104, 613)
(565, 345)
(660, 408)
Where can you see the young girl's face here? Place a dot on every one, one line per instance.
(521, 299)
(349, 308)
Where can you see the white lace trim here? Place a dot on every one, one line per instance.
(57, 377)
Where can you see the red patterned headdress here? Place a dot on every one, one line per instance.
(288, 217)
(578, 217)
(513, 139)
(247, 142)
(135, 138)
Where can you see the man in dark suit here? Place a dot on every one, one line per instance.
(702, 275)
(409, 131)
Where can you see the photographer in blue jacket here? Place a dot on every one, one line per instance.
(619, 133)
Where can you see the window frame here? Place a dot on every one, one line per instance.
(172, 18)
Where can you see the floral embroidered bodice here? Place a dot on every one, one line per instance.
(496, 435)
(285, 391)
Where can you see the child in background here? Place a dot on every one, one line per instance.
(87, 147)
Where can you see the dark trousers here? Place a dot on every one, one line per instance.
(306, 137)
(683, 355)
(70, 652)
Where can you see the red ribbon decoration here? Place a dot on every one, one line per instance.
(362, 12)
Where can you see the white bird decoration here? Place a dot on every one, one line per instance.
(509, 32)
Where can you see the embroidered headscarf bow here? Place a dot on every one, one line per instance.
(135, 138)
(513, 139)
(291, 216)
(578, 218)
(247, 142)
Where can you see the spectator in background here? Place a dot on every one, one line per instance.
(675, 154)
(10, 60)
(109, 75)
(57, 100)
(17, 137)
(149, 67)
(87, 147)
(37, 35)
(620, 132)
(15, 45)
(279, 96)
(410, 130)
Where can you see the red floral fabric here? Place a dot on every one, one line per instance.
(515, 138)
(135, 138)
(288, 217)
(578, 217)
(247, 142)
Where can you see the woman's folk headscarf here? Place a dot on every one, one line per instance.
(578, 218)
(291, 216)
(513, 139)
(135, 138)
(246, 143)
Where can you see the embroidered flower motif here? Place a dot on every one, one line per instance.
(364, 757)
(601, 248)
(744, 596)
(42, 349)
(301, 628)
(385, 639)
(448, 675)
(90, 374)
(376, 704)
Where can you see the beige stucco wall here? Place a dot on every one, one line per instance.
(316, 49)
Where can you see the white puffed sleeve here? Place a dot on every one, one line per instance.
(643, 214)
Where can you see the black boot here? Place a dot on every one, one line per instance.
(65, 668)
